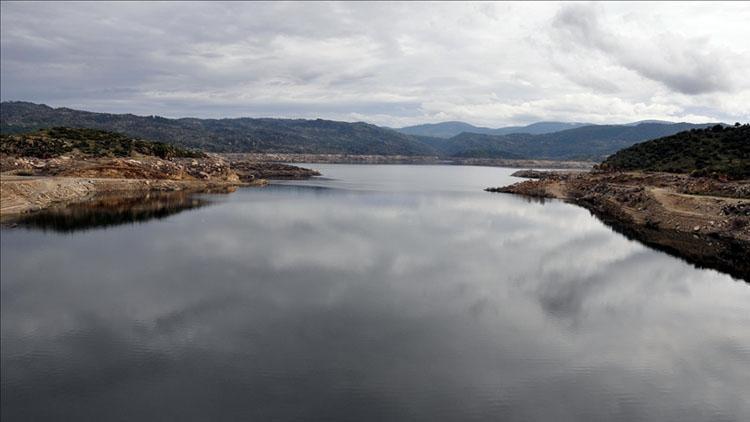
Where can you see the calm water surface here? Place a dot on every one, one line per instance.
(377, 293)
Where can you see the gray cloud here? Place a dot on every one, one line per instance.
(393, 64)
(680, 63)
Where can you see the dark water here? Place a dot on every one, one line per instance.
(111, 210)
(385, 293)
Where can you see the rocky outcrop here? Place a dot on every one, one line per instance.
(249, 170)
(531, 174)
(213, 167)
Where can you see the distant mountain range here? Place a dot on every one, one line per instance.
(586, 142)
(451, 129)
(550, 140)
(223, 135)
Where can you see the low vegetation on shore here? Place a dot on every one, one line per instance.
(58, 141)
(719, 151)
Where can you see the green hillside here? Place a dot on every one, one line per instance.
(715, 151)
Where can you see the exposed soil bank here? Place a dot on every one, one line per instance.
(22, 194)
(703, 220)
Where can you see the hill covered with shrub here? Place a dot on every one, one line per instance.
(720, 151)
(57, 141)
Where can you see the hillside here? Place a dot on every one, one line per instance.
(485, 146)
(223, 135)
(58, 141)
(443, 129)
(716, 151)
(298, 136)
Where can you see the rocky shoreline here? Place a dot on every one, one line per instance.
(703, 220)
(29, 184)
(249, 170)
(25, 194)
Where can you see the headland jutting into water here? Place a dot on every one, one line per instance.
(686, 194)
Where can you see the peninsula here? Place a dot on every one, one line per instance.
(64, 165)
(687, 194)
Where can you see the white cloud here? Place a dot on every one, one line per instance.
(387, 63)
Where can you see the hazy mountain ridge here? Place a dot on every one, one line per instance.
(442, 129)
(454, 128)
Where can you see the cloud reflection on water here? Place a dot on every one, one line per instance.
(285, 303)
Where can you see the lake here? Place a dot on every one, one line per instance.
(379, 292)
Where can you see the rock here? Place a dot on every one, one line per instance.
(249, 171)
(530, 174)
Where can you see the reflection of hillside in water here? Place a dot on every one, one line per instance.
(112, 210)
(723, 254)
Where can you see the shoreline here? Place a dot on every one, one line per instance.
(297, 158)
(704, 221)
(29, 184)
(26, 194)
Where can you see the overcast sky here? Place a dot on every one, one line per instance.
(392, 64)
